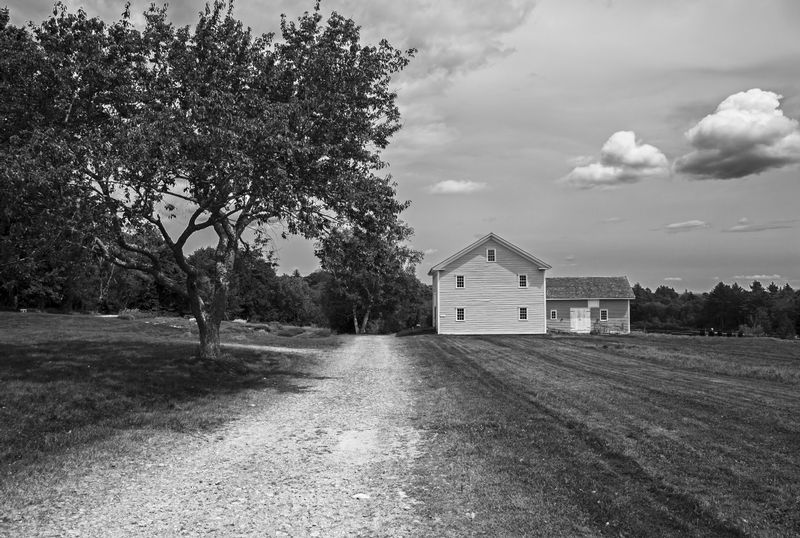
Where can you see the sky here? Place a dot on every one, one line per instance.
(657, 140)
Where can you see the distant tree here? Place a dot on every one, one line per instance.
(369, 267)
(757, 307)
(665, 295)
(784, 313)
(294, 302)
(690, 309)
(254, 286)
(412, 307)
(724, 306)
(208, 127)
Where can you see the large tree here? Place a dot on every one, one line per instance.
(186, 131)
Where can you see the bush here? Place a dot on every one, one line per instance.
(135, 313)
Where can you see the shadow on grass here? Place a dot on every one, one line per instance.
(417, 331)
(56, 394)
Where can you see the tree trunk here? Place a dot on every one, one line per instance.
(209, 316)
(364, 322)
(355, 320)
(209, 338)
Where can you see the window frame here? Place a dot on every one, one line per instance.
(554, 314)
(494, 255)
(463, 314)
(463, 281)
(520, 311)
(604, 311)
(519, 280)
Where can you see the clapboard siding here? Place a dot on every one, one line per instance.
(562, 307)
(491, 296)
(618, 315)
(435, 300)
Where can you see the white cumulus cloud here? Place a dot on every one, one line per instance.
(757, 277)
(456, 186)
(622, 160)
(747, 134)
(686, 226)
(673, 279)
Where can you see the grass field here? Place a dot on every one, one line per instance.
(551, 436)
(72, 381)
(623, 436)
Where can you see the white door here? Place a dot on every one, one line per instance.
(580, 320)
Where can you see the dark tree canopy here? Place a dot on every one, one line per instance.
(773, 311)
(207, 126)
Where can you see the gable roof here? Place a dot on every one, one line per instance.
(531, 258)
(589, 287)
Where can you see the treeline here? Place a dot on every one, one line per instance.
(758, 311)
(76, 281)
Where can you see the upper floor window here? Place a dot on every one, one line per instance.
(491, 255)
(603, 315)
(523, 281)
(554, 314)
(523, 313)
(460, 314)
(459, 281)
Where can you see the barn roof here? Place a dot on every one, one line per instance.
(510, 246)
(589, 287)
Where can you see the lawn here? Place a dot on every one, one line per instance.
(74, 381)
(624, 436)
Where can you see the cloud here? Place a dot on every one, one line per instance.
(748, 134)
(744, 225)
(673, 279)
(430, 251)
(757, 277)
(455, 186)
(622, 160)
(612, 220)
(687, 226)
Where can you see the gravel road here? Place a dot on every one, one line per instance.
(329, 458)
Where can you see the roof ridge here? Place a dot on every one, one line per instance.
(491, 235)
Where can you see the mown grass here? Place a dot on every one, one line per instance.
(67, 381)
(621, 436)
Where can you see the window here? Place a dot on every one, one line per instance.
(554, 314)
(459, 281)
(523, 281)
(491, 255)
(523, 313)
(460, 314)
(604, 315)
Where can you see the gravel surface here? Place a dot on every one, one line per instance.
(329, 458)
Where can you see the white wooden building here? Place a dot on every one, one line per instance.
(490, 287)
(495, 287)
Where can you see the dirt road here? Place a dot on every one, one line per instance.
(328, 458)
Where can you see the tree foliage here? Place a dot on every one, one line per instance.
(772, 311)
(182, 130)
(370, 269)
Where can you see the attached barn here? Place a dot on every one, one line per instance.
(590, 303)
